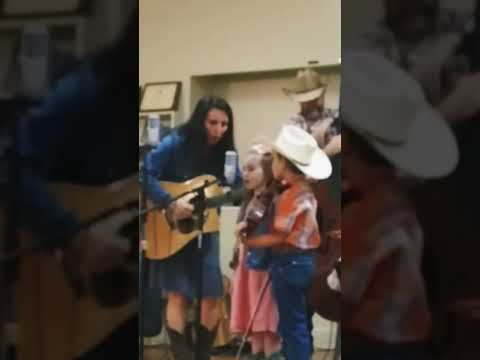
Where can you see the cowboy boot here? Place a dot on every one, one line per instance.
(206, 338)
(180, 346)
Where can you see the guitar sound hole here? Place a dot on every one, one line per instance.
(130, 231)
(185, 226)
(114, 288)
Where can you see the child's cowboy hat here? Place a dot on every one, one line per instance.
(302, 150)
(307, 86)
(387, 107)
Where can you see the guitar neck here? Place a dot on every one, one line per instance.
(112, 211)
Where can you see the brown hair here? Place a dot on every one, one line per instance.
(266, 160)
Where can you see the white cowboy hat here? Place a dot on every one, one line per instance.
(387, 107)
(302, 150)
(307, 86)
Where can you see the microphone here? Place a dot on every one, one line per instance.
(233, 197)
(34, 60)
(230, 168)
(153, 130)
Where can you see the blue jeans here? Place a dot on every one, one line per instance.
(291, 276)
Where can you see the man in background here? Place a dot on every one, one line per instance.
(309, 90)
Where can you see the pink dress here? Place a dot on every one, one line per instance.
(247, 287)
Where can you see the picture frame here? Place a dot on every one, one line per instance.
(160, 96)
(46, 8)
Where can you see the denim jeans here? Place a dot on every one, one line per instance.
(291, 276)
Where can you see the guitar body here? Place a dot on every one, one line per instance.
(53, 323)
(164, 239)
(325, 301)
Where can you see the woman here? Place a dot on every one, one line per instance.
(196, 148)
(51, 147)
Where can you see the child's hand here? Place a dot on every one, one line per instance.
(240, 230)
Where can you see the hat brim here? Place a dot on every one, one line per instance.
(305, 96)
(320, 167)
(430, 150)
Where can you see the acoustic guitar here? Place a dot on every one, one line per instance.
(54, 323)
(166, 237)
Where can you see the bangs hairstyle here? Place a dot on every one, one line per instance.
(266, 160)
(195, 132)
(194, 129)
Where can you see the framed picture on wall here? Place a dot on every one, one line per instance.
(43, 8)
(160, 96)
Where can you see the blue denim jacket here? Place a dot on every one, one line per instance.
(73, 137)
(170, 161)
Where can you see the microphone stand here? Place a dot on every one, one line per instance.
(201, 205)
(144, 150)
(8, 270)
(200, 211)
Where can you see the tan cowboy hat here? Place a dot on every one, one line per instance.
(307, 86)
(387, 107)
(302, 150)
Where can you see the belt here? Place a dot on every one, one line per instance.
(290, 249)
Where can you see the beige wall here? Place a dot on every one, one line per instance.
(259, 104)
(183, 38)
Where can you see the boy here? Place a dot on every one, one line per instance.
(388, 130)
(294, 236)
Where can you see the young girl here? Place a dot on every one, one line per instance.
(248, 283)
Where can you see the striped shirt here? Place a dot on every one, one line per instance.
(295, 216)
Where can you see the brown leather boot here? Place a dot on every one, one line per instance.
(180, 345)
(206, 338)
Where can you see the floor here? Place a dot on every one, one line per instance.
(161, 353)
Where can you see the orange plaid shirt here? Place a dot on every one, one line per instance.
(295, 216)
(381, 280)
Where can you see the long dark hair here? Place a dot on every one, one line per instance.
(119, 61)
(196, 134)
(115, 69)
